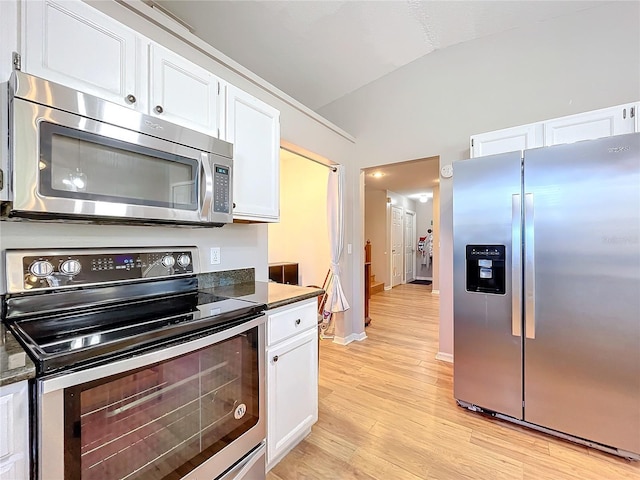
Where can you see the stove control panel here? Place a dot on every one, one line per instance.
(31, 270)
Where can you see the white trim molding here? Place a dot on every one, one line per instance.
(347, 340)
(435, 292)
(444, 357)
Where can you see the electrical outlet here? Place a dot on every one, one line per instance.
(215, 255)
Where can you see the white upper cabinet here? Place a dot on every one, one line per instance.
(78, 46)
(254, 129)
(507, 140)
(573, 128)
(183, 92)
(590, 125)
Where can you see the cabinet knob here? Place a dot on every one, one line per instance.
(275, 359)
(130, 98)
(298, 321)
(159, 109)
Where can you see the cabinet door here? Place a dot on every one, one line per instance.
(8, 45)
(14, 431)
(590, 125)
(254, 129)
(507, 140)
(183, 92)
(73, 44)
(292, 390)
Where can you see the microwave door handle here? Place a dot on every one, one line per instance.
(206, 187)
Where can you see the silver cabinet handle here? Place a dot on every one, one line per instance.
(516, 265)
(298, 321)
(159, 109)
(130, 98)
(275, 359)
(530, 273)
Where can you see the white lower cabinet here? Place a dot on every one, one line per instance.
(292, 377)
(14, 431)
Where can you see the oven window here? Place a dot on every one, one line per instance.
(164, 420)
(81, 165)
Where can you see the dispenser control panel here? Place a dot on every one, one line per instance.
(486, 269)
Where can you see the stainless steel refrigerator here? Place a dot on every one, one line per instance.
(547, 289)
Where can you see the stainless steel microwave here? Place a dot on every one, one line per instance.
(75, 156)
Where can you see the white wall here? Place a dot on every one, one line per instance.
(302, 235)
(430, 107)
(375, 227)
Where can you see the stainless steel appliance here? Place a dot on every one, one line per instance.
(138, 375)
(547, 289)
(75, 156)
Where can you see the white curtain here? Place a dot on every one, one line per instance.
(336, 301)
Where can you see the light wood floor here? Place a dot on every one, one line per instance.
(387, 412)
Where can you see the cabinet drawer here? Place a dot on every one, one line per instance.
(291, 321)
(7, 408)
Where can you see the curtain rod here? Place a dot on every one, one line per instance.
(330, 167)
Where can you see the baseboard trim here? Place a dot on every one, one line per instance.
(435, 292)
(444, 357)
(424, 278)
(387, 288)
(347, 340)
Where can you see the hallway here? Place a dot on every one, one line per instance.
(387, 412)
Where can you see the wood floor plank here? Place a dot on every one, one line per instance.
(387, 412)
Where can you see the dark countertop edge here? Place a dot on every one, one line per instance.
(294, 299)
(273, 295)
(25, 372)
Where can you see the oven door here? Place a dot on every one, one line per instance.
(189, 411)
(73, 166)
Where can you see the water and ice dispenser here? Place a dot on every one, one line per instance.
(486, 269)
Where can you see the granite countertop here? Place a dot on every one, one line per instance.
(15, 364)
(272, 294)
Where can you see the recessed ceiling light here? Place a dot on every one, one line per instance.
(377, 174)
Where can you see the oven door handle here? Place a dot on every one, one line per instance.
(244, 467)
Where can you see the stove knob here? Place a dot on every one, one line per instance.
(184, 260)
(70, 267)
(41, 268)
(168, 261)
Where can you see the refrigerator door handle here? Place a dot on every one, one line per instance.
(530, 273)
(516, 265)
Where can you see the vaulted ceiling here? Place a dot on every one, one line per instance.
(319, 51)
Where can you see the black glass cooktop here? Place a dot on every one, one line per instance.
(97, 334)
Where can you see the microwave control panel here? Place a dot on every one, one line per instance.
(222, 188)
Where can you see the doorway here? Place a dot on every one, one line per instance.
(409, 246)
(400, 204)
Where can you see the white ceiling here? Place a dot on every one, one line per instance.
(319, 51)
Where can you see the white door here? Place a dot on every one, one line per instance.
(254, 129)
(74, 44)
(396, 246)
(507, 140)
(590, 125)
(409, 247)
(183, 92)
